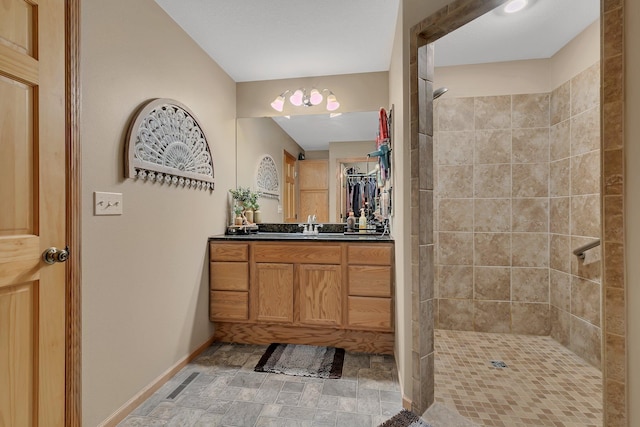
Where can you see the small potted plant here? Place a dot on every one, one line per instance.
(254, 207)
(237, 210)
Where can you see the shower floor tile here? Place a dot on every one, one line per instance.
(544, 384)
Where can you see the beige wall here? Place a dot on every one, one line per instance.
(144, 284)
(398, 98)
(256, 137)
(632, 202)
(531, 76)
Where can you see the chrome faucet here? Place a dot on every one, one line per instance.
(311, 226)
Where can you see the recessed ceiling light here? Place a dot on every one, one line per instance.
(515, 6)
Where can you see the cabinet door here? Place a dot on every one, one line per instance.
(274, 289)
(320, 294)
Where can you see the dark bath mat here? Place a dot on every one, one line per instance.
(302, 360)
(404, 418)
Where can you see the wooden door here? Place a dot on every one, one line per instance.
(289, 197)
(274, 296)
(32, 212)
(320, 294)
(314, 189)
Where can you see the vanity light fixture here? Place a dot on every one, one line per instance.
(303, 98)
(515, 6)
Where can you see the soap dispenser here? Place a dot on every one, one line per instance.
(363, 222)
(351, 221)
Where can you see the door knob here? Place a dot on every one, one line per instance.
(53, 255)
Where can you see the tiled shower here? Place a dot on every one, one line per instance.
(517, 188)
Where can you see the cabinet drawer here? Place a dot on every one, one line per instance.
(366, 312)
(378, 254)
(298, 254)
(229, 251)
(229, 276)
(370, 280)
(228, 305)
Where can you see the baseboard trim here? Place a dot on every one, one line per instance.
(406, 403)
(146, 392)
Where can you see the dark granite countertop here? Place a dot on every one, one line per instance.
(325, 237)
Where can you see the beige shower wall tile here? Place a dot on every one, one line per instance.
(530, 318)
(530, 215)
(492, 283)
(615, 311)
(560, 103)
(585, 341)
(585, 300)
(530, 284)
(585, 89)
(616, 357)
(560, 177)
(492, 181)
(585, 132)
(492, 249)
(560, 326)
(493, 146)
(585, 173)
(530, 145)
(492, 316)
(493, 112)
(530, 249)
(560, 140)
(560, 290)
(492, 215)
(530, 110)
(614, 264)
(455, 248)
(585, 215)
(530, 180)
(455, 215)
(559, 210)
(455, 181)
(455, 314)
(455, 114)
(455, 281)
(455, 148)
(560, 252)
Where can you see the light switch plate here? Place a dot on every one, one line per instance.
(107, 203)
(279, 208)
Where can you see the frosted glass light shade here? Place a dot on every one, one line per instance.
(515, 6)
(332, 103)
(278, 103)
(296, 98)
(315, 97)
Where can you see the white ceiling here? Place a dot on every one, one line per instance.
(279, 39)
(317, 130)
(256, 40)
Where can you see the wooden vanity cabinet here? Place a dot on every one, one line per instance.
(297, 283)
(316, 293)
(369, 301)
(229, 281)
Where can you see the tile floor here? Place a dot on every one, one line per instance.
(227, 392)
(544, 383)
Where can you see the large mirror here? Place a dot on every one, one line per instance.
(337, 143)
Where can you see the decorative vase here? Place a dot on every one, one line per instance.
(256, 217)
(238, 220)
(248, 214)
